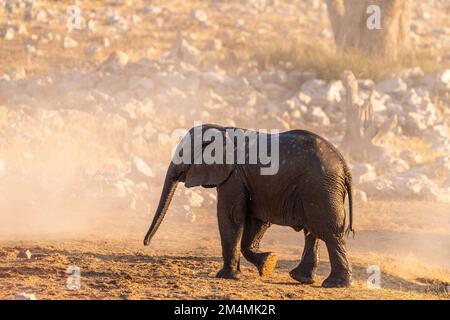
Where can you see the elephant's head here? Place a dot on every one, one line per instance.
(189, 166)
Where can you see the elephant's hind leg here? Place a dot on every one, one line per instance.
(305, 271)
(341, 272)
(253, 232)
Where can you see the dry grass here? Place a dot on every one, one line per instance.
(328, 65)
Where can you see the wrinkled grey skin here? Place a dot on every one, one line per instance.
(307, 193)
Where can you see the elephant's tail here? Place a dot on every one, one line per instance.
(348, 186)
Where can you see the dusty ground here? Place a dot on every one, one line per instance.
(412, 252)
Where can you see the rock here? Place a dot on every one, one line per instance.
(318, 116)
(123, 187)
(200, 15)
(310, 87)
(68, 42)
(90, 50)
(23, 296)
(363, 172)
(194, 199)
(91, 26)
(214, 44)
(394, 84)
(184, 51)
(137, 82)
(444, 80)
(24, 254)
(379, 188)
(414, 123)
(2, 168)
(441, 167)
(143, 168)
(189, 216)
(9, 34)
(411, 157)
(411, 185)
(42, 16)
(330, 95)
(274, 91)
(359, 196)
(115, 61)
(391, 165)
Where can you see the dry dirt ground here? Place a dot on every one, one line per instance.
(411, 250)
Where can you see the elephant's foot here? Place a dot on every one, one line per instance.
(228, 273)
(303, 275)
(267, 261)
(339, 281)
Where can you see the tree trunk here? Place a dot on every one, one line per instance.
(362, 131)
(349, 22)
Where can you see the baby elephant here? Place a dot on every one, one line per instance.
(302, 184)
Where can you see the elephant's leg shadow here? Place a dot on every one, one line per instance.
(253, 232)
(305, 271)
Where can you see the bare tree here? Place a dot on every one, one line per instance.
(349, 22)
(362, 131)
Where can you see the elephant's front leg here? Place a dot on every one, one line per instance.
(231, 208)
(253, 232)
(305, 271)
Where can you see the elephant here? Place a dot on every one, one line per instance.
(306, 193)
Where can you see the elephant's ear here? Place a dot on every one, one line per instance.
(208, 175)
(200, 173)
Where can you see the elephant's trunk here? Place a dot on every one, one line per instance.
(170, 184)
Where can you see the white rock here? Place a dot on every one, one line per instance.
(360, 196)
(379, 188)
(23, 296)
(90, 50)
(415, 123)
(444, 80)
(411, 157)
(363, 172)
(142, 167)
(393, 84)
(200, 15)
(2, 168)
(9, 34)
(137, 82)
(68, 42)
(115, 61)
(318, 116)
(24, 254)
(194, 199)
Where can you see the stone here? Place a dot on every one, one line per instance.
(317, 116)
(414, 123)
(2, 168)
(379, 188)
(444, 80)
(363, 172)
(411, 157)
(115, 61)
(9, 34)
(359, 196)
(200, 15)
(68, 42)
(142, 167)
(394, 84)
(23, 296)
(194, 199)
(24, 254)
